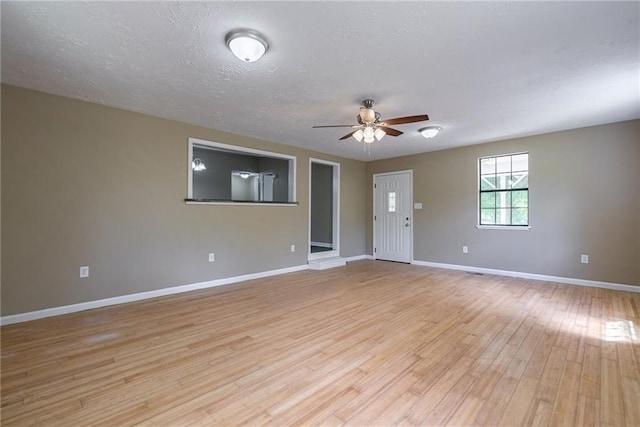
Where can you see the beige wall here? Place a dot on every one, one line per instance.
(584, 199)
(84, 184)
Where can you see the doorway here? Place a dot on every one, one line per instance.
(392, 216)
(324, 209)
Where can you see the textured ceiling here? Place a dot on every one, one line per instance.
(484, 71)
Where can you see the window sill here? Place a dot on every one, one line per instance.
(236, 203)
(503, 227)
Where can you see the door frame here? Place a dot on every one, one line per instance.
(336, 212)
(373, 215)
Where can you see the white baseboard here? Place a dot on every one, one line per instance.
(56, 311)
(358, 258)
(326, 263)
(555, 279)
(322, 245)
(66, 309)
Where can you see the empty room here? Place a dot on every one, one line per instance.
(320, 213)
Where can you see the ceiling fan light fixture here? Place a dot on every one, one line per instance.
(246, 45)
(367, 115)
(430, 131)
(370, 128)
(368, 132)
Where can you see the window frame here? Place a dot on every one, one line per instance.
(240, 150)
(480, 192)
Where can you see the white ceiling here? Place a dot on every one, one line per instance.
(484, 71)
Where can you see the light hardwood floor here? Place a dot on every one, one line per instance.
(373, 343)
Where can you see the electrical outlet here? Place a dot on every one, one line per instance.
(584, 259)
(465, 249)
(84, 271)
(212, 257)
(293, 248)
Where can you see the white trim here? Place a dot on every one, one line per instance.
(503, 227)
(336, 213)
(327, 263)
(243, 203)
(57, 311)
(322, 245)
(543, 277)
(237, 148)
(73, 308)
(324, 254)
(503, 155)
(190, 170)
(393, 173)
(358, 258)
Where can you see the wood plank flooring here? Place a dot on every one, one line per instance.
(373, 343)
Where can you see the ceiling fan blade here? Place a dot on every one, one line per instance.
(348, 135)
(403, 120)
(335, 126)
(390, 131)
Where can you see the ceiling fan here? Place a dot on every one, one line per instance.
(370, 128)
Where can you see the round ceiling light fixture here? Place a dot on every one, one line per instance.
(430, 131)
(246, 45)
(198, 165)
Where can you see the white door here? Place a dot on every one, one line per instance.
(392, 220)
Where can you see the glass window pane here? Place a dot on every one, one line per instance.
(391, 201)
(503, 216)
(488, 182)
(487, 166)
(503, 199)
(503, 164)
(487, 200)
(520, 180)
(520, 216)
(487, 216)
(503, 181)
(520, 199)
(520, 162)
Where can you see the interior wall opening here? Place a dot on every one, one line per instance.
(324, 188)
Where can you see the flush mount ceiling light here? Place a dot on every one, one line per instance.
(245, 174)
(197, 165)
(246, 45)
(430, 131)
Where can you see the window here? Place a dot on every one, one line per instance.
(504, 190)
(391, 201)
(221, 173)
